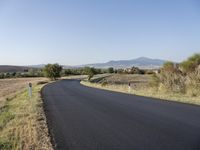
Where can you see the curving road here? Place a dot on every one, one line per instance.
(83, 118)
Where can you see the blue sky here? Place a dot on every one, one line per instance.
(73, 32)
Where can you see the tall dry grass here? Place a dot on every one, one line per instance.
(148, 85)
(22, 120)
(9, 87)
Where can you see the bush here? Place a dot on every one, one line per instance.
(193, 82)
(183, 77)
(171, 78)
(190, 64)
(2, 76)
(120, 71)
(111, 70)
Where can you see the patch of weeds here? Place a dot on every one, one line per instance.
(5, 117)
(5, 145)
(3, 109)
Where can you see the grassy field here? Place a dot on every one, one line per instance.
(140, 85)
(9, 87)
(22, 120)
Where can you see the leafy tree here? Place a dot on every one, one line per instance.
(90, 72)
(2, 76)
(13, 74)
(110, 70)
(8, 75)
(136, 70)
(68, 72)
(98, 71)
(52, 71)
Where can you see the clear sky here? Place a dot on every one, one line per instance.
(72, 32)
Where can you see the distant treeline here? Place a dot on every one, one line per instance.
(75, 71)
(24, 74)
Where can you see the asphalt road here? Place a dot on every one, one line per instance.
(83, 118)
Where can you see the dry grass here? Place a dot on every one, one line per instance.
(136, 81)
(139, 86)
(126, 78)
(22, 120)
(8, 87)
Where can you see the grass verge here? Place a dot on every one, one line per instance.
(147, 92)
(23, 123)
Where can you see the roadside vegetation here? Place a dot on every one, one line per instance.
(176, 82)
(22, 120)
(181, 78)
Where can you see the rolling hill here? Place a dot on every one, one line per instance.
(141, 62)
(8, 68)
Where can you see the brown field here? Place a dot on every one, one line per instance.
(22, 120)
(8, 87)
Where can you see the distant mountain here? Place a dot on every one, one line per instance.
(8, 68)
(37, 66)
(141, 62)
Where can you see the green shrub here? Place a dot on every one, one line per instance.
(53, 71)
(111, 70)
(5, 145)
(191, 63)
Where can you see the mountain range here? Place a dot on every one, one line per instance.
(141, 62)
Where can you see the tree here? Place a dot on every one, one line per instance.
(90, 72)
(52, 71)
(120, 71)
(136, 70)
(2, 76)
(110, 70)
(68, 72)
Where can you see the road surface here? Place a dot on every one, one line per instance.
(83, 118)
